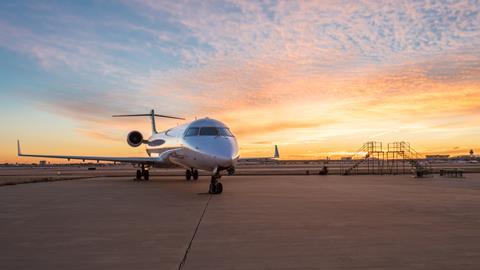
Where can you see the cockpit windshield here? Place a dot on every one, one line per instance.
(192, 132)
(208, 131)
(225, 132)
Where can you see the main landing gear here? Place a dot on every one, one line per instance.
(215, 186)
(192, 173)
(145, 173)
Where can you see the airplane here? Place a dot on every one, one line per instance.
(204, 144)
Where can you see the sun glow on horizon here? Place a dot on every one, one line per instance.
(317, 78)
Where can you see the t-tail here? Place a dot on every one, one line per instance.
(277, 154)
(152, 115)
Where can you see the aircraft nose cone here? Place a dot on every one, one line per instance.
(226, 155)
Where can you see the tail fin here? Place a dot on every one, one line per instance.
(277, 154)
(152, 114)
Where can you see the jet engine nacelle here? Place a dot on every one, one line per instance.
(134, 138)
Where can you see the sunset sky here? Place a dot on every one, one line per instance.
(318, 78)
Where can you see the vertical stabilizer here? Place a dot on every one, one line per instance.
(277, 154)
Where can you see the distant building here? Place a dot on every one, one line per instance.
(437, 157)
(42, 163)
(467, 157)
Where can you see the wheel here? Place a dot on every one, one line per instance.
(215, 188)
(146, 175)
(188, 175)
(195, 174)
(219, 188)
(212, 189)
(139, 175)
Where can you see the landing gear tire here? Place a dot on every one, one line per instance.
(146, 175)
(139, 175)
(195, 174)
(219, 188)
(188, 175)
(215, 186)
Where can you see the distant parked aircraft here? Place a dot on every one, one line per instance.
(204, 144)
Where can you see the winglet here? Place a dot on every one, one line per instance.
(277, 154)
(154, 127)
(19, 151)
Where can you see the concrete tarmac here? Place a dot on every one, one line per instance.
(259, 222)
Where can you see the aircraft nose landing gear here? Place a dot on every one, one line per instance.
(215, 186)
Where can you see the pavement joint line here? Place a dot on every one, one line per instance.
(184, 259)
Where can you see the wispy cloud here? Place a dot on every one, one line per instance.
(98, 135)
(327, 71)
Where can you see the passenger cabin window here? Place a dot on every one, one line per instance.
(209, 131)
(192, 132)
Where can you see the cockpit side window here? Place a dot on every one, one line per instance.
(225, 132)
(193, 131)
(209, 131)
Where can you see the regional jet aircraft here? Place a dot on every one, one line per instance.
(204, 144)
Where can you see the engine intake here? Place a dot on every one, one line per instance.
(134, 138)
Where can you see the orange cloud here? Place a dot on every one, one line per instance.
(316, 77)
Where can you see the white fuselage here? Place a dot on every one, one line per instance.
(196, 145)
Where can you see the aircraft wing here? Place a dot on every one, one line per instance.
(275, 156)
(136, 160)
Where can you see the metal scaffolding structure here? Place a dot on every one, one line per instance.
(369, 159)
(396, 163)
(399, 158)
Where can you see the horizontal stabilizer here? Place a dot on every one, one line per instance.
(147, 114)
